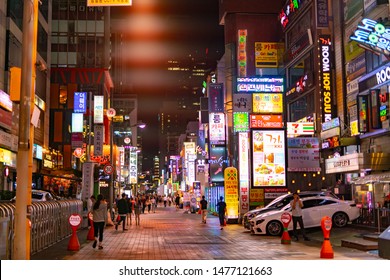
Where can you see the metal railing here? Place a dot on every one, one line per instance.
(49, 224)
(374, 217)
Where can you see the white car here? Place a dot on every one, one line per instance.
(314, 209)
(279, 203)
(39, 195)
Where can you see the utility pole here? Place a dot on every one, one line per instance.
(21, 250)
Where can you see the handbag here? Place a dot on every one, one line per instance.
(224, 222)
(118, 218)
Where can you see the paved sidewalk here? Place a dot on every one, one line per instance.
(171, 234)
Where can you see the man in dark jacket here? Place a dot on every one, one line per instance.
(123, 210)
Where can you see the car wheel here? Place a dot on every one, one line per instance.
(340, 219)
(274, 228)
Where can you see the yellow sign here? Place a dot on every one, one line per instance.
(256, 197)
(268, 54)
(267, 103)
(5, 156)
(231, 192)
(97, 3)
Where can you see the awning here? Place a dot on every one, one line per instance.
(373, 178)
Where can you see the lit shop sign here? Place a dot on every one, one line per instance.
(243, 155)
(266, 121)
(97, 3)
(217, 128)
(383, 109)
(231, 192)
(268, 103)
(242, 102)
(303, 154)
(241, 52)
(373, 36)
(383, 76)
(331, 124)
(240, 121)
(268, 158)
(326, 86)
(98, 109)
(299, 87)
(263, 84)
(300, 128)
(218, 161)
(80, 102)
(290, 9)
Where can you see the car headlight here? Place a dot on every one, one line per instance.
(258, 222)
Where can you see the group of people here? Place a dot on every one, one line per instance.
(126, 207)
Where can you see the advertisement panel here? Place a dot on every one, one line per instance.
(98, 140)
(266, 84)
(303, 154)
(217, 128)
(268, 158)
(218, 162)
(243, 156)
(267, 53)
(268, 103)
(266, 121)
(240, 121)
(231, 192)
(133, 166)
(241, 52)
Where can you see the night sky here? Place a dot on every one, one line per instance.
(156, 31)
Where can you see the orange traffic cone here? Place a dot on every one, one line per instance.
(326, 249)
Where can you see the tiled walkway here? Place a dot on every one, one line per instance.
(171, 234)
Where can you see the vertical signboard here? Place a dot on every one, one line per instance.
(217, 128)
(133, 166)
(98, 140)
(87, 184)
(218, 162)
(216, 98)
(80, 102)
(98, 107)
(243, 156)
(231, 192)
(322, 14)
(241, 53)
(268, 158)
(326, 82)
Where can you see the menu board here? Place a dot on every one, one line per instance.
(268, 153)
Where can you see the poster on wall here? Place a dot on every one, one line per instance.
(268, 153)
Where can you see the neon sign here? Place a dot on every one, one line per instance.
(372, 35)
(289, 10)
(263, 84)
(326, 85)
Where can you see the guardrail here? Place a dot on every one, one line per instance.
(374, 217)
(49, 224)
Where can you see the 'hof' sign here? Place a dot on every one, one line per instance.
(326, 86)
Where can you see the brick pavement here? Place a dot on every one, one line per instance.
(171, 234)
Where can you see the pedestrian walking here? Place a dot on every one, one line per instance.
(221, 211)
(137, 211)
(99, 220)
(203, 209)
(165, 201)
(149, 204)
(130, 208)
(296, 206)
(177, 202)
(154, 204)
(123, 210)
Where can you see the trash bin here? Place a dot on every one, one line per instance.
(384, 244)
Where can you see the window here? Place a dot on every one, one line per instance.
(310, 203)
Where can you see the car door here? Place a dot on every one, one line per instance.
(311, 215)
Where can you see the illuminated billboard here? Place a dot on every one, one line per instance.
(217, 128)
(268, 153)
(108, 3)
(267, 103)
(260, 84)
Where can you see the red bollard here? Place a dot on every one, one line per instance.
(74, 221)
(91, 231)
(326, 249)
(286, 219)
